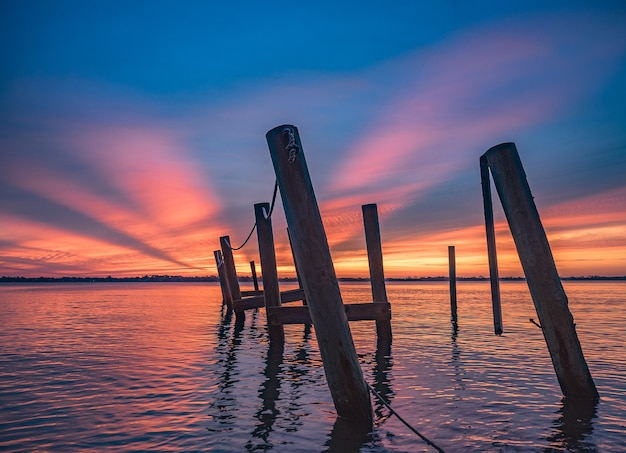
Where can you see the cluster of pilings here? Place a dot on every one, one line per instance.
(319, 290)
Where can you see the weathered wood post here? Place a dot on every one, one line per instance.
(231, 273)
(452, 278)
(255, 281)
(341, 365)
(491, 247)
(375, 261)
(267, 254)
(541, 274)
(227, 298)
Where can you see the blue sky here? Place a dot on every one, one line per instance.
(132, 134)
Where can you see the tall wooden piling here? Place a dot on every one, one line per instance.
(255, 281)
(491, 247)
(227, 298)
(541, 274)
(375, 261)
(343, 373)
(452, 279)
(267, 254)
(231, 273)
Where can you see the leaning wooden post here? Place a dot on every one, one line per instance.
(221, 272)
(542, 277)
(341, 365)
(255, 281)
(452, 278)
(375, 261)
(231, 273)
(491, 246)
(267, 253)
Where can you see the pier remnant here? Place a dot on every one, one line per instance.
(267, 254)
(310, 246)
(540, 270)
(494, 279)
(375, 261)
(255, 281)
(231, 274)
(227, 298)
(452, 279)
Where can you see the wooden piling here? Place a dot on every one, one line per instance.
(541, 274)
(231, 273)
(227, 298)
(491, 247)
(452, 278)
(375, 261)
(267, 253)
(255, 281)
(343, 373)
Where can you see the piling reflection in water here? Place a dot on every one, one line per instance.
(574, 425)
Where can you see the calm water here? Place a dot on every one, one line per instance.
(153, 367)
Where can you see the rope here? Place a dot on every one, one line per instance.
(382, 400)
(244, 242)
(265, 214)
(292, 147)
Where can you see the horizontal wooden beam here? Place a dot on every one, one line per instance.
(251, 293)
(258, 301)
(355, 312)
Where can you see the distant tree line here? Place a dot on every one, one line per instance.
(214, 278)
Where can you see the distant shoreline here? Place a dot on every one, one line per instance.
(178, 279)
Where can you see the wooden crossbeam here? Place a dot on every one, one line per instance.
(355, 312)
(258, 301)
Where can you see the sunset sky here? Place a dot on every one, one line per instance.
(132, 134)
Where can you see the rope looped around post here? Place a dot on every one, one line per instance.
(291, 146)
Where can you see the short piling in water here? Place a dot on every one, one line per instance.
(227, 298)
(255, 281)
(491, 247)
(231, 273)
(343, 373)
(267, 254)
(540, 270)
(375, 261)
(452, 279)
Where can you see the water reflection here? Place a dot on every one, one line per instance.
(269, 394)
(226, 404)
(382, 382)
(574, 426)
(347, 436)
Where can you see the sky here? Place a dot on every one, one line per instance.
(132, 134)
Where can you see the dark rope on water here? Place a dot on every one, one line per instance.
(382, 400)
(254, 226)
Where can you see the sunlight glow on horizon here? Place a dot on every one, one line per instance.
(98, 178)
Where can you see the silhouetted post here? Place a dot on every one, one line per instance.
(375, 261)
(253, 271)
(221, 272)
(310, 246)
(452, 278)
(491, 247)
(231, 273)
(541, 275)
(267, 254)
